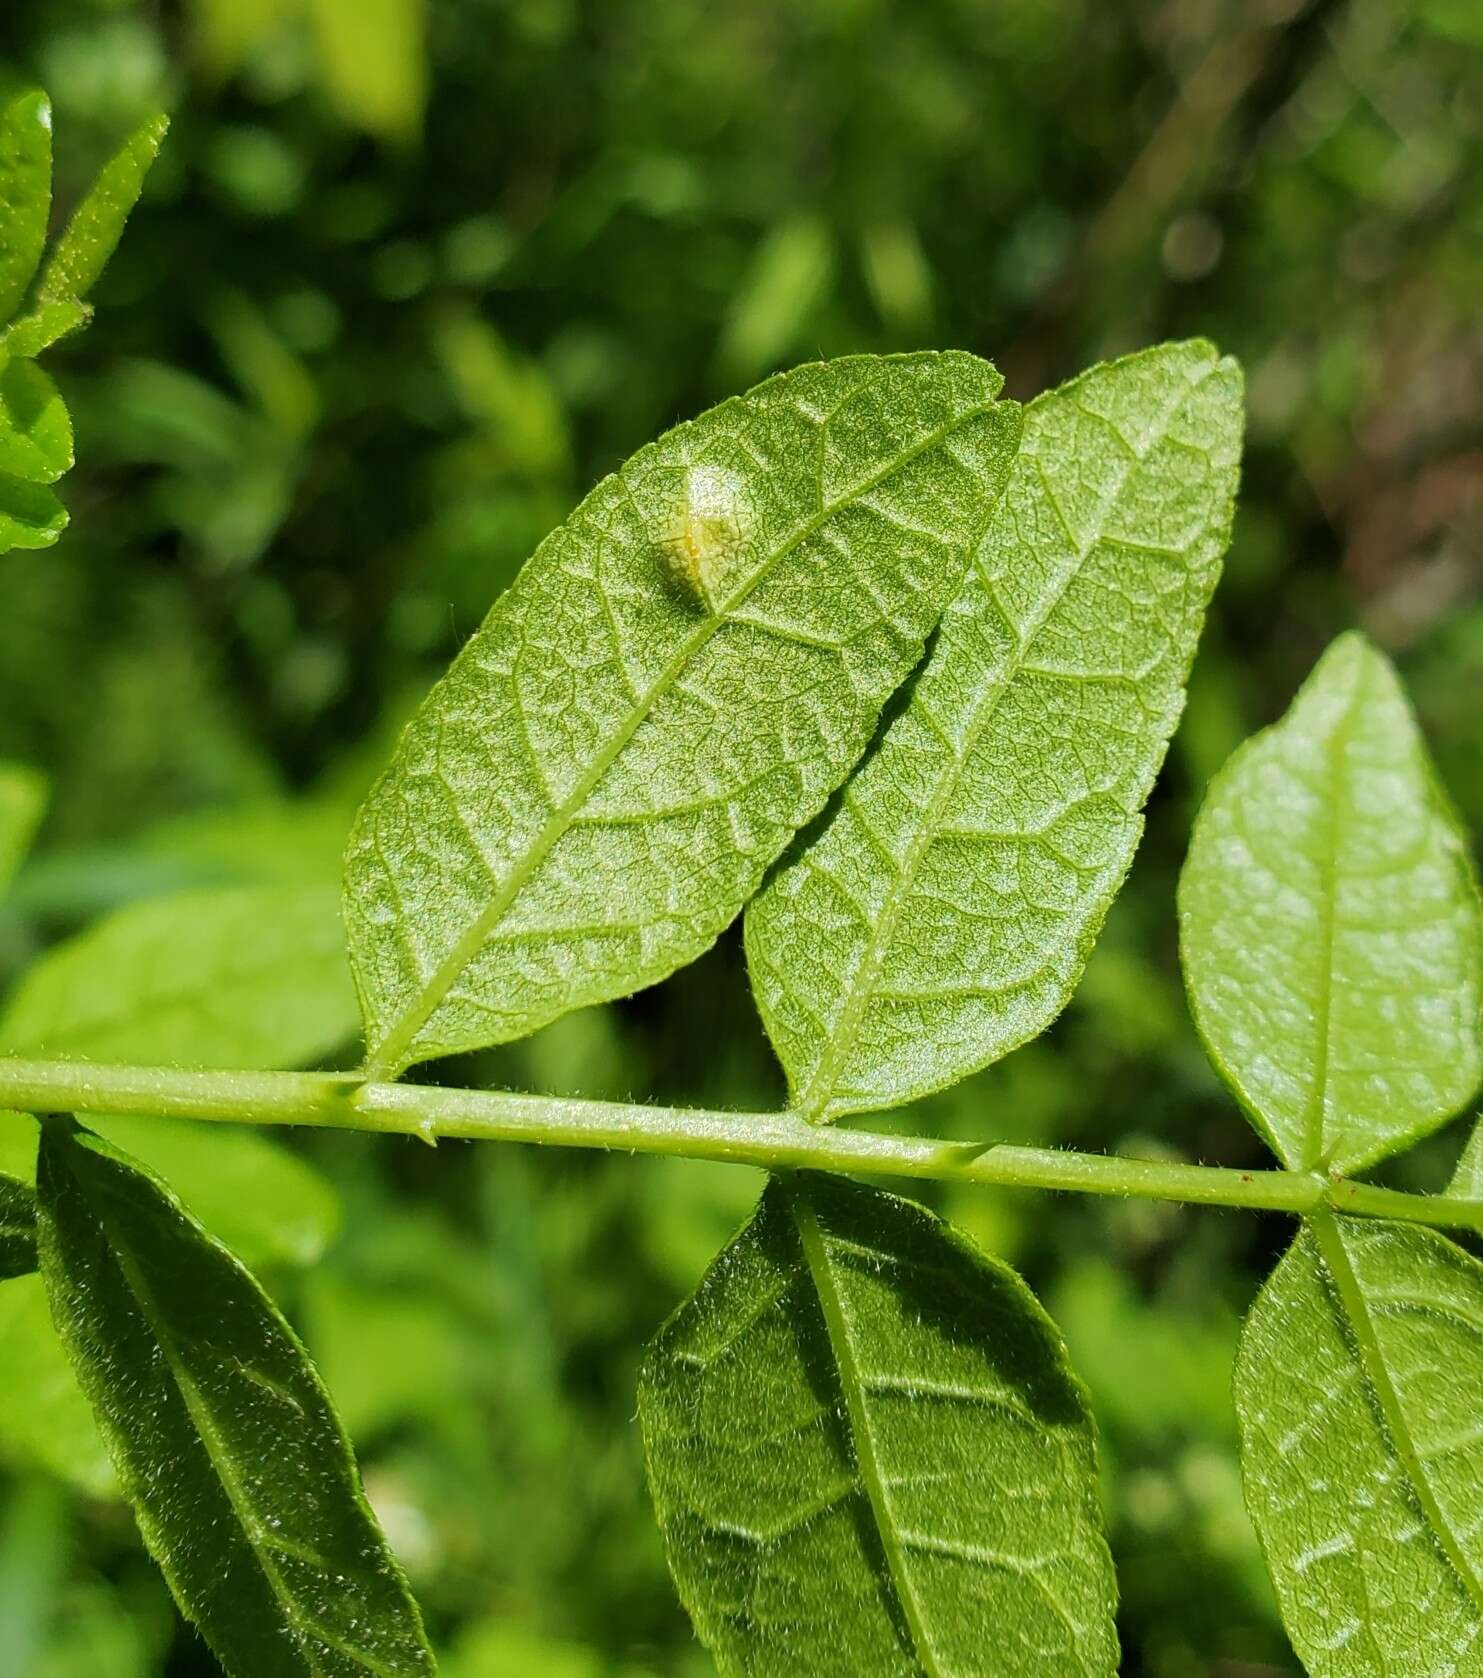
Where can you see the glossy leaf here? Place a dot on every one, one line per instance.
(30, 515)
(222, 1434)
(869, 1457)
(97, 224)
(945, 913)
(673, 686)
(236, 976)
(1357, 1388)
(35, 431)
(22, 801)
(1330, 926)
(17, 1227)
(1467, 1180)
(25, 194)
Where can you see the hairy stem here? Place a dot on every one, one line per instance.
(772, 1140)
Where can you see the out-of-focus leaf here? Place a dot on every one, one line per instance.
(1357, 1388)
(35, 430)
(373, 62)
(44, 1419)
(868, 1454)
(788, 275)
(92, 235)
(945, 913)
(223, 1436)
(1330, 926)
(22, 801)
(1467, 1180)
(676, 682)
(234, 977)
(30, 515)
(17, 1228)
(25, 194)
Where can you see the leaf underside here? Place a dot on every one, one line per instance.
(946, 911)
(675, 683)
(223, 1437)
(869, 1457)
(1330, 927)
(1357, 1387)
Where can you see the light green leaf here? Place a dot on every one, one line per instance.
(1467, 1180)
(869, 1457)
(675, 683)
(787, 278)
(35, 430)
(25, 194)
(30, 515)
(945, 913)
(1357, 1388)
(92, 235)
(44, 1419)
(373, 62)
(41, 327)
(1330, 927)
(22, 802)
(223, 1436)
(234, 977)
(17, 1228)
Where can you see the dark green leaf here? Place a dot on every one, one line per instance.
(25, 194)
(869, 1457)
(222, 1434)
(17, 1227)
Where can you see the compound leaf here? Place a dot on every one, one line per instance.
(17, 1227)
(222, 976)
(869, 1457)
(1330, 927)
(1357, 1387)
(673, 686)
(22, 801)
(222, 1434)
(946, 911)
(25, 194)
(93, 233)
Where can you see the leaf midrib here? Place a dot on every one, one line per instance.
(395, 1051)
(813, 1104)
(872, 1478)
(1356, 1310)
(220, 1458)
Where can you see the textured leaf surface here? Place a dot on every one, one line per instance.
(17, 1227)
(240, 976)
(946, 911)
(222, 1434)
(869, 1457)
(1330, 927)
(673, 686)
(1357, 1386)
(35, 432)
(1467, 1180)
(93, 233)
(22, 800)
(25, 194)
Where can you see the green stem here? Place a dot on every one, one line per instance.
(771, 1140)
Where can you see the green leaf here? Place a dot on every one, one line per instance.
(35, 430)
(92, 235)
(17, 1228)
(41, 327)
(25, 194)
(373, 62)
(675, 683)
(30, 515)
(22, 802)
(44, 1419)
(1330, 927)
(222, 1434)
(1467, 1180)
(945, 913)
(251, 976)
(869, 1456)
(1357, 1387)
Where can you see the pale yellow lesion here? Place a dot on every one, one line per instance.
(706, 530)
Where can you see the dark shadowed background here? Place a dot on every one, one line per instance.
(409, 276)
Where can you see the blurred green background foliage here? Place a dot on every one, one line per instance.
(409, 276)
